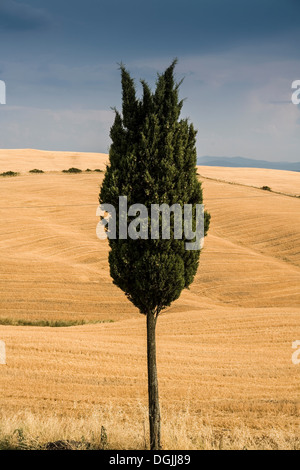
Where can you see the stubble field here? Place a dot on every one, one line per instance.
(224, 348)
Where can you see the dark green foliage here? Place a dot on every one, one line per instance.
(266, 188)
(9, 173)
(152, 161)
(72, 170)
(36, 171)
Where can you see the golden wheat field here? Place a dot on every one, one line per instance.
(226, 375)
(286, 182)
(24, 160)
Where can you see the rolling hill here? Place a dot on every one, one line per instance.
(224, 348)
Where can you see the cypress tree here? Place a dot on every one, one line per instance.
(152, 160)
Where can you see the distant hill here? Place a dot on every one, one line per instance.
(24, 160)
(240, 162)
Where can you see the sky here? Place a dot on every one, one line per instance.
(59, 60)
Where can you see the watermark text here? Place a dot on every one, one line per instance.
(2, 92)
(296, 94)
(296, 354)
(2, 353)
(137, 222)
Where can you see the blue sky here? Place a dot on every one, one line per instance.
(239, 58)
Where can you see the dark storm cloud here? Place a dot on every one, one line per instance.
(239, 58)
(160, 27)
(166, 26)
(21, 16)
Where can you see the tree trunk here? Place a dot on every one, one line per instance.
(154, 410)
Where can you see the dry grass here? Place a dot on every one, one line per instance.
(224, 348)
(181, 431)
